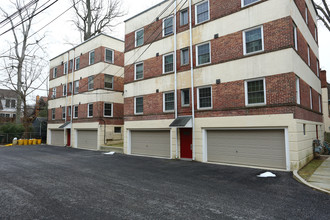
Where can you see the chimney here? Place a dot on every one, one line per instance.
(323, 78)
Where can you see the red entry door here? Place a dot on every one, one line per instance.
(186, 143)
(68, 135)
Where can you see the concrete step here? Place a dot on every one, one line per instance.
(111, 148)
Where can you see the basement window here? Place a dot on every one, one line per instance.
(117, 130)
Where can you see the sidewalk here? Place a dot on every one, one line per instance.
(321, 177)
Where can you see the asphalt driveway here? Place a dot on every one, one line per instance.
(45, 182)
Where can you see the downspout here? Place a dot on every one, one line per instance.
(73, 69)
(105, 130)
(66, 83)
(192, 82)
(175, 79)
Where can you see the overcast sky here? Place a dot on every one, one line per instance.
(62, 33)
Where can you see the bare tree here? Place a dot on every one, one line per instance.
(322, 7)
(96, 16)
(23, 64)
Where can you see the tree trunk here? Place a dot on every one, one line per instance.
(89, 20)
(19, 90)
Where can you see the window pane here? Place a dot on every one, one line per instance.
(253, 40)
(169, 101)
(117, 129)
(90, 110)
(91, 57)
(139, 37)
(203, 54)
(205, 97)
(13, 103)
(139, 105)
(90, 82)
(108, 55)
(139, 71)
(255, 92)
(184, 17)
(69, 111)
(202, 12)
(76, 86)
(76, 111)
(168, 63)
(168, 26)
(247, 2)
(184, 56)
(107, 109)
(185, 97)
(77, 63)
(108, 82)
(8, 103)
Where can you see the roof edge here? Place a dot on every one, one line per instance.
(82, 43)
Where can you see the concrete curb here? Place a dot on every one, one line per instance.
(300, 179)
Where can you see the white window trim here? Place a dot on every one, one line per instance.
(262, 40)
(208, 2)
(320, 105)
(69, 111)
(197, 54)
(53, 118)
(88, 116)
(182, 98)
(55, 68)
(306, 14)
(75, 63)
(243, 5)
(311, 98)
(75, 111)
(140, 113)
(135, 70)
(90, 89)
(295, 37)
(317, 68)
(169, 54)
(246, 92)
(54, 93)
(173, 26)
(105, 55)
(63, 108)
(74, 87)
(108, 116)
(65, 70)
(111, 82)
(183, 10)
(308, 55)
(164, 101)
(136, 37)
(64, 90)
(298, 90)
(204, 108)
(89, 57)
(181, 57)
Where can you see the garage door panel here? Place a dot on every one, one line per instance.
(87, 139)
(57, 137)
(151, 143)
(247, 147)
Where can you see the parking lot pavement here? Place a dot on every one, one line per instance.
(46, 182)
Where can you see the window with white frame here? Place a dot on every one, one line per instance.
(63, 112)
(117, 130)
(204, 97)
(139, 71)
(202, 12)
(139, 37)
(55, 72)
(77, 63)
(10, 103)
(91, 57)
(64, 90)
(69, 111)
(76, 87)
(184, 17)
(306, 14)
(54, 93)
(168, 101)
(317, 68)
(90, 110)
(108, 81)
(90, 82)
(108, 109)
(311, 97)
(70, 87)
(168, 26)
(109, 56)
(168, 63)
(255, 92)
(320, 104)
(53, 113)
(185, 97)
(184, 56)
(203, 54)
(138, 105)
(65, 68)
(298, 90)
(248, 2)
(75, 112)
(70, 65)
(253, 40)
(308, 55)
(295, 37)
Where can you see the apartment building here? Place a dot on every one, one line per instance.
(8, 102)
(85, 107)
(325, 100)
(230, 82)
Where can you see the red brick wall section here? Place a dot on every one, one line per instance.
(323, 77)
(301, 4)
(315, 101)
(304, 94)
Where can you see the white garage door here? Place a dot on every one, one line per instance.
(87, 139)
(264, 148)
(151, 143)
(57, 137)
